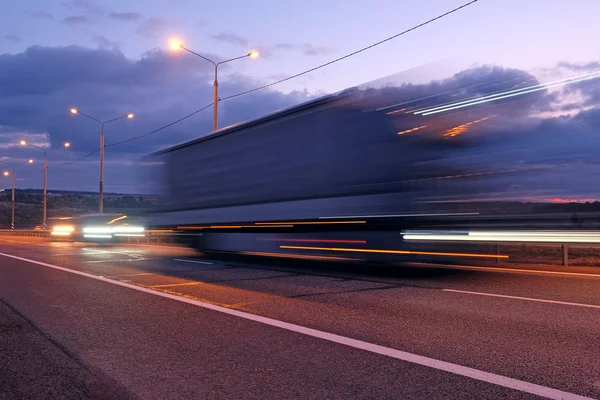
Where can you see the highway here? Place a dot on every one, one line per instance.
(158, 322)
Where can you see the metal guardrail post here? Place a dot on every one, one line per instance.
(565, 254)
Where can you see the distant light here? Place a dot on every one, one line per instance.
(30, 161)
(6, 173)
(63, 228)
(60, 233)
(253, 54)
(23, 142)
(176, 44)
(130, 116)
(74, 111)
(98, 236)
(67, 144)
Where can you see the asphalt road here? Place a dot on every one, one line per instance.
(153, 322)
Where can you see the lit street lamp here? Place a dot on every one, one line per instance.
(102, 123)
(6, 173)
(25, 143)
(175, 45)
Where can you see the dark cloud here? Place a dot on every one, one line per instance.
(13, 38)
(42, 15)
(75, 20)
(41, 84)
(126, 16)
(231, 38)
(154, 27)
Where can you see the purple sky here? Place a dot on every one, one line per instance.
(121, 62)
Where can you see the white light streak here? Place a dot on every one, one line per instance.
(505, 236)
(506, 94)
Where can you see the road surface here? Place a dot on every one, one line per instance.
(155, 322)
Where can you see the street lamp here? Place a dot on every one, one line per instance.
(176, 45)
(102, 123)
(6, 173)
(25, 143)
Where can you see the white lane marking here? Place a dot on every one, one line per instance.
(523, 298)
(192, 261)
(507, 270)
(456, 369)
(175, 285)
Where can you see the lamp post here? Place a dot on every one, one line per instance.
(102, 123)
(6, 173)
(177, 45)
(25, 143)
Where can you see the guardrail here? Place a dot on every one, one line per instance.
(17, 232)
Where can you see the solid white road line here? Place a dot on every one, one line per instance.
(506, 270)
(127, 275)
(523, 298)
(175, 285)
(192, 261)
(473, 373)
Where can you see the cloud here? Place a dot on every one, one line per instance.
(126, 16)
(75, 20)
(42, 15)
(231, 38)
(306, 49)
(154, 27)
(41, 84)
(13, 38)
(105, 43)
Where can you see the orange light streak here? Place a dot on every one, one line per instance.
(397, 111)
(460, 129)
(311, 223)
(418, 128)
(404, 252)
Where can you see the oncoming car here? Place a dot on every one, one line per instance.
(97, 227)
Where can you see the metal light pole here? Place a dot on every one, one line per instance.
(176, 45)
(25, 143)
(6, 173)
(102, 123)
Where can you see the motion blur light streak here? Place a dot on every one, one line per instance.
(505, 236)
(418, 128)
(507, 94)
(315, 240)
(397, 111)
(117, 219)
(460, 129)
(234, 226)
(60, 233)
(577, 78)
(62, 230)
(402, 215)
(311, 223)
(403, 252)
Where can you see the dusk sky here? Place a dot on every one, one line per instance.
(112, 57)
